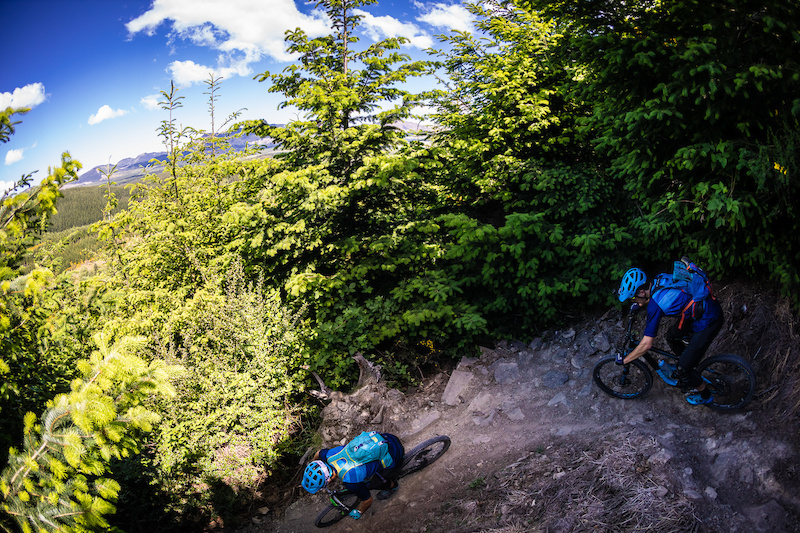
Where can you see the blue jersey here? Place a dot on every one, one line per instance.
(356, 478)
(676, 302)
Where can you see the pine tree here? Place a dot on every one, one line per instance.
(343, 93)
(174, 137)
(56, 482)
(24, 213)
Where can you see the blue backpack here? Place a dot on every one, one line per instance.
(687, 278)
(365, 448)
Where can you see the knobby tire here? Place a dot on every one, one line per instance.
(731, 379)
(424, 454)
(622, 381)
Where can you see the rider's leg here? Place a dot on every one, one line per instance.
(389, 489)
(694, 351)
(391, 475)
(675, 336)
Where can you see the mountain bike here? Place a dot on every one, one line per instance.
(730, 378)
(343, 501)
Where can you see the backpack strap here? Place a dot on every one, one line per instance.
(691, 304)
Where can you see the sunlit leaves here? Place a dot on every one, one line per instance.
(350, 97)
(46, 486)
(243, 356)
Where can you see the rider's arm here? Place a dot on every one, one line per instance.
(654, 314)
(644, 345)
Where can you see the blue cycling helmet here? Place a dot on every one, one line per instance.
(316, 476)
(632, 280)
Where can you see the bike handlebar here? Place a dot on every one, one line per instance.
(635, 308)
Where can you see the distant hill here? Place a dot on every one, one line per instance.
(132, 169)
(82, 206)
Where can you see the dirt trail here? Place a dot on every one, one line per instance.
(537, 447)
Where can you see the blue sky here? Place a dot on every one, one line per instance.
(92, 70)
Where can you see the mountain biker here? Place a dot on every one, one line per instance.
(319, 473)
(700, 326)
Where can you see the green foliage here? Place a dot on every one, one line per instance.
(173, 136)
(350, 111)
(173, 236)
(56, 483)
(172, 250)
(523, 273)
(52, 334)
(696, 105)
(236, 405)
(6, 125)
(494, 228)
(23, 218)
(505, 92)
(73, 248)
(535, 223)
(24, 214)
(477, 484)
(342, 250)
(342, 223)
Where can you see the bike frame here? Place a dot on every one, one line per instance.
(333, 496)
(372, 484)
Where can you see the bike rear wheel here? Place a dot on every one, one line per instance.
(731, 379)
(424, 454)
(622, 381)
(333, 513)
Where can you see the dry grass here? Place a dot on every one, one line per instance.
(610, 487)
(763, 328)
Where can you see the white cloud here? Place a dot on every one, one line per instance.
(105, 113)
(188, 72)
(6, 186)
(150, 102)
(185, 73)
(446, 16)
(29, 96)
(12, 156)
(381, 27)
(243, 30)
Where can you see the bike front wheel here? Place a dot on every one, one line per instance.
(335, 512)
(622, 381)
(731, 380)
(424, 454)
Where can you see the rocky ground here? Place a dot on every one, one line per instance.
(537, 447)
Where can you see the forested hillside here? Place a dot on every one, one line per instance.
(572, 141)
(81, 206)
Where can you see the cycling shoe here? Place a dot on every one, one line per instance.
(386, 493)
(696, 399)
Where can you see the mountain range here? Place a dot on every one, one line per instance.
(131, 169)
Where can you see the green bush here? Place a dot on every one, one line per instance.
(237, 403)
